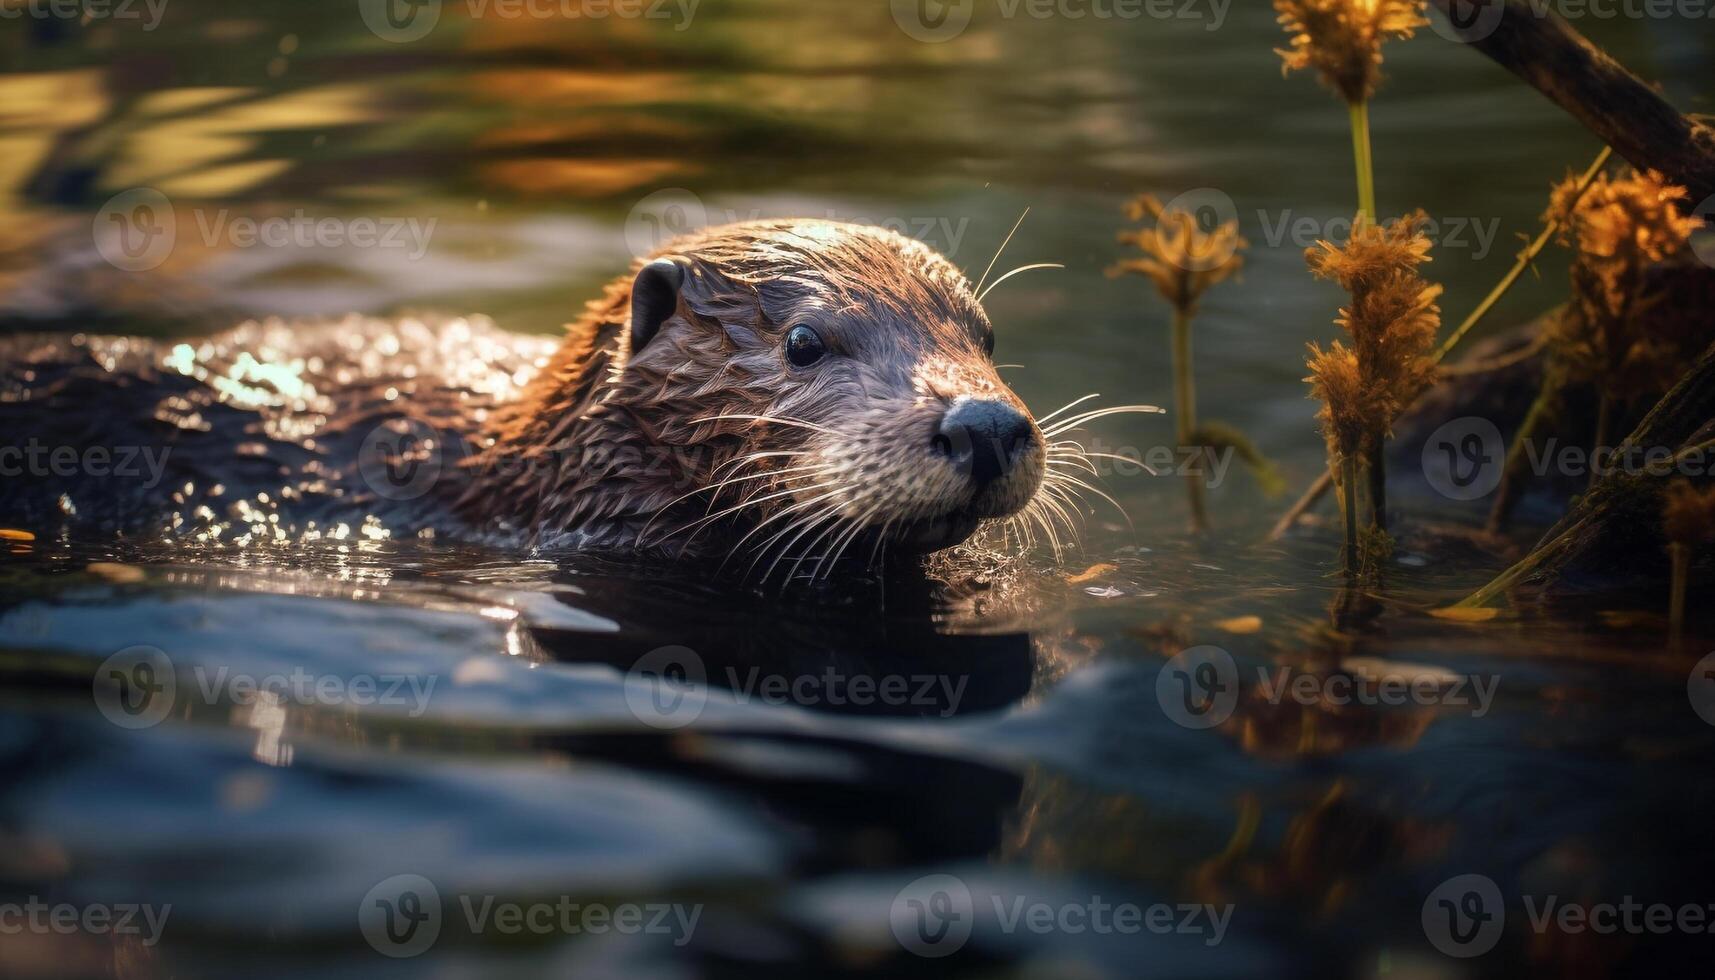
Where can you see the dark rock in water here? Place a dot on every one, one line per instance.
(269, 431)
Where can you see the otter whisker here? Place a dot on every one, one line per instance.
(716, 487)
(803, 525)
(841, 543)
(809, 471)
(738, 507)
(834, 529)
(1152, 471)
(1068, 424)
(838, 488)
(733, 464)
(1043, 420)
(777, 420)
(997, 252)
(1022, 268)
(1035, 510)
(1079, 461)
(1074, 481)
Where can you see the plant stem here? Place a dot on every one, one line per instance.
(1681, 556)
(1525, 566)
(1366, 166)
(1349, 504)
(1376, 465)
(1506, 495)
(1525, 258)
(1185, 408)
(1604, 410)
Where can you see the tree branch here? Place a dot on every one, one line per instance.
(1630, 116)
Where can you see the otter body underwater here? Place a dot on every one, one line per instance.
(778, 389)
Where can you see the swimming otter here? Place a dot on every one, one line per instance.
(813, 380)
(776, 387)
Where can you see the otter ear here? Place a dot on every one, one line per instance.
(654, 298)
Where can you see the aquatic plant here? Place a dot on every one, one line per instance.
(1337, 381)
(1524, 260)
(1688, 520)
(1392, 321)
(1184, 260)
(1342, 40)
(1616, 336)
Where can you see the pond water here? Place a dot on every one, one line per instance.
(452, 735)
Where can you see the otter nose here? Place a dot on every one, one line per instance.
(984, 436)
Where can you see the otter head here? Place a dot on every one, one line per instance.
(837, 382)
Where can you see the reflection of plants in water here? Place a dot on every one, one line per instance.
(1324, 856)
(1063, 826)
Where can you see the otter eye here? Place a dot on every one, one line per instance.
(804, 346)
